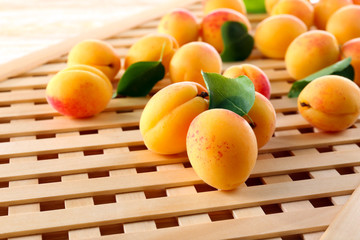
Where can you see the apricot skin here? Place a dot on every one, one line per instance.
(237, 5)
(352, 49)
(345, 23)
(274, 34)
(311, 52)
(262, 113)
(181, 24)
(167, 116)
(255, 74)
(98, 54)
(149, 48)
(298, 8)
(79, 93)
(222, 148)
(211, 26)
(190, 59)
(330, 103)
(324, 9)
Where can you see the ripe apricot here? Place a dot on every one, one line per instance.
(237, 5)
(181, 24)
(149, 48)
(330, 103)
(211, 26)
(190, 59)
(324, 9)
(274, 34)
(98, 54)
(263, 117)
(298, 8)
(257, 76)
(345, 23)
(311, 52)
(269, 5)
(352, 49)
(167, 116)
(222, 148)
(79, 91)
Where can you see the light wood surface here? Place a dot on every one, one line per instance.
(62, 178)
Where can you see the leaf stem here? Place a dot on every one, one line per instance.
(251, 122)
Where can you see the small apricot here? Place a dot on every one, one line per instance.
(325, 8)
(274, 34)
(311, 52)
(190, 59)
(298, 8)
(98, 54)
(330, 103)
(222, 148)
(255, 74)
(79, 91)
(211, 26)
(150, 47)
(345, 23)
(352, 49)
(181, 24)
(167, 116)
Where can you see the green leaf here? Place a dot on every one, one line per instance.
(140, 78)
(341, 68)
(235, 94)
(238, 43)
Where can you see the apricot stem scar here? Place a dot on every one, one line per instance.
(203, 94)
(303, 104)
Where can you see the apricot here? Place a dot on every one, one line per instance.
(274, 34)
(298, 8)
(345, 23)
(149, 48)
(79, 91)
(324, 9)
(356, 2)
(221, 147)
(263, 119)
(311, 52)
(211, 26)
(190, 59)
(167, 116)
(330, 103)
(181, 24)
(237, 5)
(257, 76)
(96, 53)
(352, 49)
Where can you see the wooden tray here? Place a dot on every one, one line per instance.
(93, 178)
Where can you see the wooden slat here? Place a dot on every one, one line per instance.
(25, 83)
(261, 227)
(180, 205)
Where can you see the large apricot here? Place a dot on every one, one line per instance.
(190, 59)
(274, 34)
(298, 8)
(352, 49)
(98, 54)
(263, 119)
(221, 147)
(325, 8)
(257, 76)
(167, 116)
(150, 47)
(330, 103)
(181, 24)
(211, 26)
(79, 91)
(237, 5)
(310, 52)
(345, 23)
